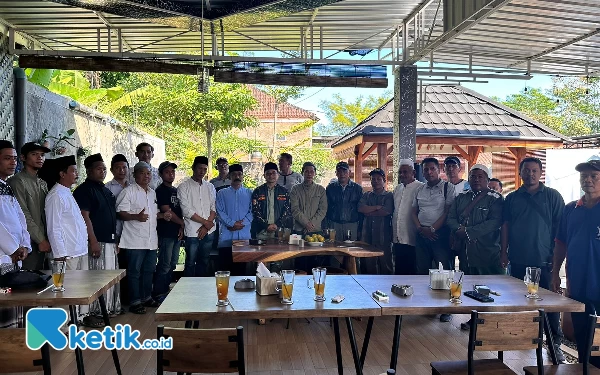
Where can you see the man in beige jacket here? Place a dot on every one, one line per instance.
(309, 202)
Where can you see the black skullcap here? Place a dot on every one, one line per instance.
(90, 160)
(270, 166)
(63, 163)
(236, 168)
(118, 158)
(200, 160)
(5, 144)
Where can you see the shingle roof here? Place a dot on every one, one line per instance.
(266, 108)
(456, 111)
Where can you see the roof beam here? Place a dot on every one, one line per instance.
(264, 44)
(459, 29)
(556, 48)
(22, 34)
(111, 27)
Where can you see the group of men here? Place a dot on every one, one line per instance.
(138, 219)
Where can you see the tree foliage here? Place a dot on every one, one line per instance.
(344, 115)
(571, 107)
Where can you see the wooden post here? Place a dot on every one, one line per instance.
(519, 154)
(382, 156)
(358, 160)
(474, 152)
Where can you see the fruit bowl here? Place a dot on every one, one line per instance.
(313, 243)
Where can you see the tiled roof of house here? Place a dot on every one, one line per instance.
(455, 111)
(266, 108)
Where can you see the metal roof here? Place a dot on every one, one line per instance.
(549, 36)
(455, 111)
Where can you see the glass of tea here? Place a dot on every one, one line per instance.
(58, 275)
(287, 286)
(318, 283)
(455, 282)
(532, 280)
(222, 280)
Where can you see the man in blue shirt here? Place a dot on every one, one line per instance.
(578, 239)
(234, 210)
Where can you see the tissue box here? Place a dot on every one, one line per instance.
(439, 279)
(294, 239)
(265, 286)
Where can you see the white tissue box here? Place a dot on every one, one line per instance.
(265, 286)
(295, 239)
(438, 279)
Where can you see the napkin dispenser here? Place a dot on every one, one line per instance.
(266, 286)
(295, 239)
(438, 278)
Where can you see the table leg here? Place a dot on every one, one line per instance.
(78, 353)
(396, 342)
(338, 346)
(550, 340)
(115, 354)
(363, 353)
(350, 265)
(354, 347)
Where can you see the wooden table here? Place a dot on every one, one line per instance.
(81, 288)
(244, 252)
(194, 298)
(427, 301)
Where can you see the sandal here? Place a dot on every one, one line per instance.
(151, 303)
(137, 309)
(92, 322)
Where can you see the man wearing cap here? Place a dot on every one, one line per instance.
(270, 206)
(403, 227)
(222, 180)
(15, 244)
(234, 210)
(136, 205)
(453, 174)
(430, 208)
(31, 191)
(98, 208)
(308, 202)
(170, 232)
(145, 152)
(342, 203)
(198, 205)
(378, 207)
(578, 239)
(287, 177)
(531, 215)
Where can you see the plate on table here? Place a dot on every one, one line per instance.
(348, 242)
(313, 243)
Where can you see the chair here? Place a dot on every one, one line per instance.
(202, 350)
(577, 368)
(497, 332)
(17, 357)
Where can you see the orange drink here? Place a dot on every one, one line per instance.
(58, 275)
(287, 291)
(222, 282)
(532, 288)
(455, 282)
(532, 281)
(58, 279)
(319, 289)
(318, 283)
(455, 290)
(287, 286)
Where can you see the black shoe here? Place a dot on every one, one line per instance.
(151, 303)
(445, 318)
(560, 356)
(137, 309)
(465, 326)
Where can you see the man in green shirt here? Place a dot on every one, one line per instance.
(531, 216)
(30, 191)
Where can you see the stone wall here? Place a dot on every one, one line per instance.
(93, 130)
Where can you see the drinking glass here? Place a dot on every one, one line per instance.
(287, 286)
(222, 280)
(318, 283)
(286, 235)
(332, 235)
(58, 275)
(280, 234)
(348, 235)
(455, 282)
(532, 280)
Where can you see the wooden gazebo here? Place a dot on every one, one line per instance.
(452, 120)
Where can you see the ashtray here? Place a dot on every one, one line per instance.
(244, 284)
(257, 242)
(402, 290)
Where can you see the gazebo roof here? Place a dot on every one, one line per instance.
(457, 112)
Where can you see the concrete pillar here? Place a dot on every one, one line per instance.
(20, 107)
(405, 113)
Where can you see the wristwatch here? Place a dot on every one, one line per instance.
(432, 228)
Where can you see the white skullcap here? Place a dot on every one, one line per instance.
(407, 162)
(483, 168)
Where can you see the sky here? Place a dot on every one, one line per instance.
(313, 96)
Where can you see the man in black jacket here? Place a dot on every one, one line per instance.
(342, 203)
(270, 206)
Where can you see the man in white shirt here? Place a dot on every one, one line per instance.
(136, 206)
(287, 177)
(198, 204)
(16, 243)
(67, 231)
(453, 171)
(403, 227)
(145, 152)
